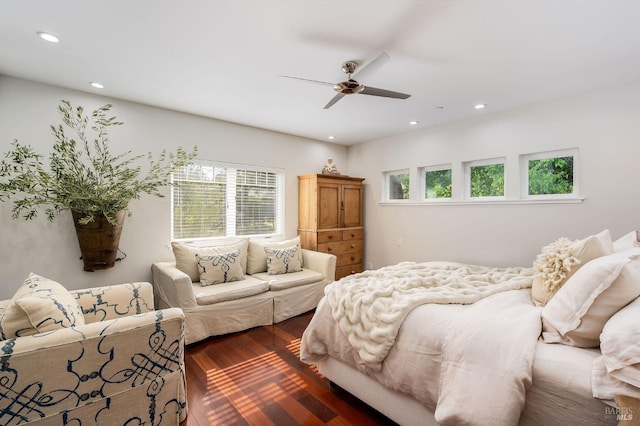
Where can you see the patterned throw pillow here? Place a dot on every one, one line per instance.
(38, 306)
(283, 260)
(217, 268)
(186, 261)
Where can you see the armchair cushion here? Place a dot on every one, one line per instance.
(40, 305)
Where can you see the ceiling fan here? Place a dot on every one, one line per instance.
(353, 87)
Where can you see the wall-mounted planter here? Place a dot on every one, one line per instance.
(98, 240)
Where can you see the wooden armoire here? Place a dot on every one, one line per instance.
(330, 218)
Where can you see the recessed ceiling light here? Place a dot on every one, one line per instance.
(48, 37)
(480, 106)
(413, 122)
(331, 138)
(97, 85)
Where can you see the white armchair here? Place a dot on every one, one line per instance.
(124, 365)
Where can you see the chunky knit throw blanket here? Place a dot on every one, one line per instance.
(370, 307)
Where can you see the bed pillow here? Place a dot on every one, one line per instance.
(217, 268)
(620, 344)
(578, 312)
(257, 259)
(40, 305)
(628, 241)
(283, 260)
(186, 261)
(562, 258)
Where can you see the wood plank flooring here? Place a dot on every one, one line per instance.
(255, 377)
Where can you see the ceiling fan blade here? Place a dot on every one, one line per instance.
(335, 99)
(371, 67)
(325, 83)
(374, 91)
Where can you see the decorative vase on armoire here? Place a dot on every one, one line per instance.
(330, 218)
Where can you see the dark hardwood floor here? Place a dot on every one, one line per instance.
(255, 377)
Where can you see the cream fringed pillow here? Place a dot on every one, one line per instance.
(561, 259)
(283, 260)
(40, 305)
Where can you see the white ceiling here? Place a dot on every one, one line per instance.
(223, 58)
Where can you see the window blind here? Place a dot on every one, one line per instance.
(224, 200)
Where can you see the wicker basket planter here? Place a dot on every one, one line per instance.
(98, 240)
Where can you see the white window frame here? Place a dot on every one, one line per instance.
(467, 165)
(524, 173)
(423, 184)
(230, 210)
(386, 184)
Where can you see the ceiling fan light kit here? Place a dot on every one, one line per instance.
(352, 86)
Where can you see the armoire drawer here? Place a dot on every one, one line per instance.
(348, 258)
(340, 247)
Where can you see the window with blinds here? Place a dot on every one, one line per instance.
(225, 200)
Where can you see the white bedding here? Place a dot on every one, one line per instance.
(465, 362)
(371, 306)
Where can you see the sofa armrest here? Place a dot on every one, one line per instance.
(172, 287)
(106, 372)
(114, 301)
(324, 263)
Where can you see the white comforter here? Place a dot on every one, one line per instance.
(471, 364)
(371, 306)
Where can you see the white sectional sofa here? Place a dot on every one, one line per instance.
(261, 294)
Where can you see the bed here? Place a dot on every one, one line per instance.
(449, 343)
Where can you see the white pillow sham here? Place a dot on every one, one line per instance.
(620, 344)
(627, 241)
(578, 312)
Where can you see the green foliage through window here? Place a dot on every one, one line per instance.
(487, 180)
(551, 176)
(437, 184)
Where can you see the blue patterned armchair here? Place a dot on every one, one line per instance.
(122, 364)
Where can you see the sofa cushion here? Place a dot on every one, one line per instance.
(283, 260)
(40, 305)
(257, 256)
(216, 268)
(293, 279)
(185, 254)
(562, 258)
(229, 291)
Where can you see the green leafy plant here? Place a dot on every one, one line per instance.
(83, 175)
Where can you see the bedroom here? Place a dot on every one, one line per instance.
(600, 119)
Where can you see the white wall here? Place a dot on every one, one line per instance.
(51, 249)
(605, 126)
